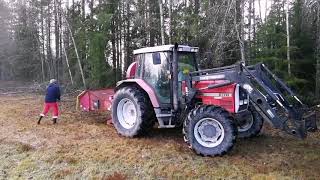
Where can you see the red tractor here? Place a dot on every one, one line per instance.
(213, 106)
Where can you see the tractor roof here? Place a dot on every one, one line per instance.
(162, 48)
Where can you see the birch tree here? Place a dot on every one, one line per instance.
(170, 20)
(288, 37)
(161, 22)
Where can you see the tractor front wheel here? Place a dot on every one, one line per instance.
(210, 130)
(250, 125)
(132, 112)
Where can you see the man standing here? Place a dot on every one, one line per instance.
(52, 96)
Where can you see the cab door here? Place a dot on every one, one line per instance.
(154, 69)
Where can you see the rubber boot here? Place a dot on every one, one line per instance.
(54, 120)
(40, 119)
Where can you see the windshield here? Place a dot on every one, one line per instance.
(186, 62)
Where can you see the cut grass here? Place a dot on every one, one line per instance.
(83, 146)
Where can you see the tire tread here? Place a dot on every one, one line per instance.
(213, 111)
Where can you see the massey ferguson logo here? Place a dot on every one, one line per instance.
(225, 94)
(217, 95)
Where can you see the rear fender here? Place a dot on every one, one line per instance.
(142, 85)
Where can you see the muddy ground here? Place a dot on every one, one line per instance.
(83, 146)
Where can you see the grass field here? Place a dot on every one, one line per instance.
(83, 146)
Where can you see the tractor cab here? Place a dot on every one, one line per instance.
(154, 66)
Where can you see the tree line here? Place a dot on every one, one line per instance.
(89, 43)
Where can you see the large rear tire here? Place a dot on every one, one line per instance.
(210, 130)
(132, 112)
(251, 126)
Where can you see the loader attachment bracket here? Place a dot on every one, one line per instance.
(311, 122)
(301, 127)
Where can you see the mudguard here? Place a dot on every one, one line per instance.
(143, 85)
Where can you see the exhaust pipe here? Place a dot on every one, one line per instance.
(175, 77)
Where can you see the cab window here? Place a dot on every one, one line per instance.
(186, 64)
(155, 73)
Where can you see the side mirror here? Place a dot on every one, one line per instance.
(156, 58)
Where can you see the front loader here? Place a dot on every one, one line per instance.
(213, 106)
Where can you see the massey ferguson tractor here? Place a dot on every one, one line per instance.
(213, 106)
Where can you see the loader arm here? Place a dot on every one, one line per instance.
(267, 93)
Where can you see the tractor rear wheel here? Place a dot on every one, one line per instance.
(251, 125)
(210, 130)
(132, 112)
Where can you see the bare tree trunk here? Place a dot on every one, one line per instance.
(119, 62)
(118, 53)
(76, 50)
(196, 6)
(126, 39)
(288, 38)
(43, 48)
(60, 63)
(254, 29)
(254, 19)
(170, 20)
(118, 46)
(260, 16)
(67, 62)
(151, 12)
(147, 22)
(249, 31)
(121, 40)
(242, 19)
(114, 51)
(56, 34)
(240, 30)
(161, 22)
(78, 58)
(113, 44)
(83, 11)
(266, 11)
(66, 36)
(83, 52)
(49, 52)
(317, 53)
(91, 4)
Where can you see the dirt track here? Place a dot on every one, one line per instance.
(83, 146)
